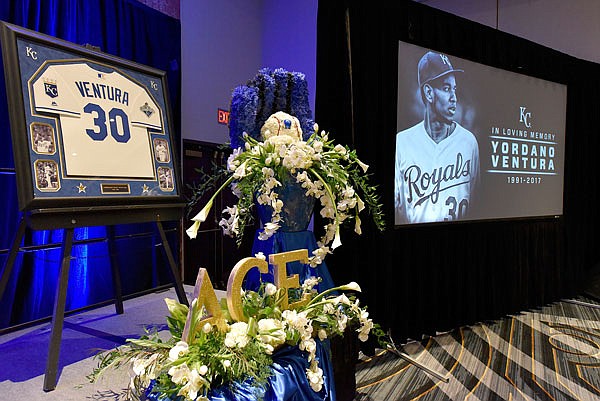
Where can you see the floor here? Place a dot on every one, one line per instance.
(549, 354)
(23, 353)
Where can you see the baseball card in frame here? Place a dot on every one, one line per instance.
(88, 128)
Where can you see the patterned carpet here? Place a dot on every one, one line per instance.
(549, 354)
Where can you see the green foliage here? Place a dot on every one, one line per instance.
(330, 173)
(214, 355)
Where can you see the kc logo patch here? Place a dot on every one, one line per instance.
(51, 89)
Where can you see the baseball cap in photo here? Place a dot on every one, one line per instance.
(434, 65)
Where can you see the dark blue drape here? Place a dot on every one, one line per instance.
(127, 29)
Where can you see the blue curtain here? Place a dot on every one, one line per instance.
(127, 29)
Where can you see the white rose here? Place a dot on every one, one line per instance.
(270, 289)
(179, 373)
(280, 140)
(207, 328)
(271, 331)
(179, 350)
(237, 336)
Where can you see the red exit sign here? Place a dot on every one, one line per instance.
(222, 116)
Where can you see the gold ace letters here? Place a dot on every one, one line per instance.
(205, 296)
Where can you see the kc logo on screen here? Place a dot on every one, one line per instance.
(525, 116)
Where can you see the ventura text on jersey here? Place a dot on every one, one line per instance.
(102, 91)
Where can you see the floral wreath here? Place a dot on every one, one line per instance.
(275, 140)
(332, 174)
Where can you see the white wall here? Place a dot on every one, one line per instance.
(290, 38)
(569, 26)
(224, 43)
(221, 48)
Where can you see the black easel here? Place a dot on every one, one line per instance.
(69, 219)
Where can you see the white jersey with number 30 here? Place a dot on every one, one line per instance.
(434, 181)
(104, 120)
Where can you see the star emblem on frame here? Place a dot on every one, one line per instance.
(81, 188)
(145, 189)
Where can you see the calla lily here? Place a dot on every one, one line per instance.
(357, 228)
(340, 149)
(201, 217)
(362, 165)
(360, 203)
(351, 286)
(240, 172)
(192, 232)
(336, 240)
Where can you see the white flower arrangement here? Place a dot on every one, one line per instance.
(330, 173)
(218, 355)
(214, 355)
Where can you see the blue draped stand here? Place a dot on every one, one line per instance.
(292, 235)
(288, 383)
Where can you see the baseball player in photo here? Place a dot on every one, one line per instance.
(437, 160)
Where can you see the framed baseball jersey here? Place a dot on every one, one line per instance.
(87, 128)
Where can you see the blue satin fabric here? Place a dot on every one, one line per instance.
(297, 207)
(288, 383)
(283, 241)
